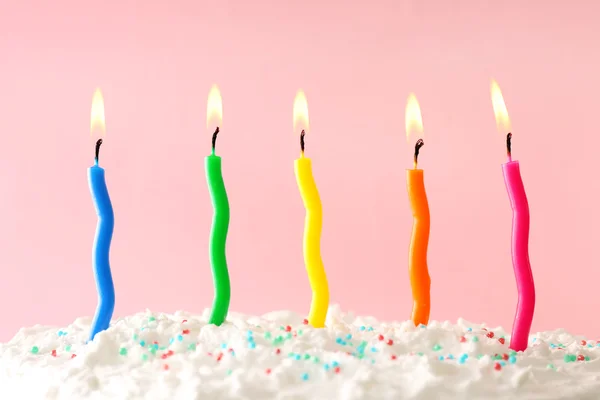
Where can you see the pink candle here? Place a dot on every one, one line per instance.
(520, 232)
(520, 253)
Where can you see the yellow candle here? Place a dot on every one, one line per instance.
(313, 222)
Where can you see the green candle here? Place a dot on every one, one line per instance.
(218, 236)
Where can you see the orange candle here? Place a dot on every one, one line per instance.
(417, 256)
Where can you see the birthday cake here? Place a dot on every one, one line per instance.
(279, 356)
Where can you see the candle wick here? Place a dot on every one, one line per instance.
(98, 144)
(509, 146)
(302, 134)
(420, 143)
(214, 139)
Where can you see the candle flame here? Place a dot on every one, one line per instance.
(300, 113)
(214, 109)
(97, 124)
(500, 111)
(413, 119)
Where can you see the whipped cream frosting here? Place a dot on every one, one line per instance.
(279, 356)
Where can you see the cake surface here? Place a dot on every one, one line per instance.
(278, 356)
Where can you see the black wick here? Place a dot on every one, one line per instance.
(420, 143)
(508, 143)
(98, 144)
(214, 138)
(302, 140)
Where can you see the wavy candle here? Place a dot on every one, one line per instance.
(520, 230)
(220, 223)
(420, 281)
(313, 222)
(104, 229)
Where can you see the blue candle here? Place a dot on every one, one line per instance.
(100, 256)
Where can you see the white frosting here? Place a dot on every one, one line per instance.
(240, 360)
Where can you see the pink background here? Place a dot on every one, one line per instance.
(357, 62)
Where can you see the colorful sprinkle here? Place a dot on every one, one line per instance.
(123, 351)
(304, 377)
(35, 349)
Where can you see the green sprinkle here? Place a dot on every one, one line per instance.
(316, 360)
(123, 351)
(35, 349)
(420, 353)
(68, 347)
(289, 335)
(479, 356)
(587, 358)
(551, 366)
(475, 339)
(570, 358)
(135, 336)
(437, 347)
(153, 350)
(228, 372)
(513, 353)
(267, 335)
(307, 356)
(144, 357)
(300, 332)
(151, 319)
(192, 346)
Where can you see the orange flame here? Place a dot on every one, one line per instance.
(500, 111)
(97, 124)
(413, 119)
(214, 109)
(300, 113)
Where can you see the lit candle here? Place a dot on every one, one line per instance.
(520, 230)
(220, 222)
(104, 229)
(417, 255)
(313, 222)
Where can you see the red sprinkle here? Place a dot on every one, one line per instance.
(380, 337)
(288, 328)
(463, 339)
(184, 321)
(170, 352)
(166, 367)
(337, 370)
(583, 342)
(394, 357)
(490, 334)
(268, 371)
(278, 351)
(390, 342)
(53, 353)
(73, 355)
(220, 357)
(230, 350)
(497, 366)
(580, 357)
(155, 342)
(186, 332)
(505, 357)
(305, 322)
(164, 356)
(501, 340)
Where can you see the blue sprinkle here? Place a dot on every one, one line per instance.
(362, 328)
(297, 357)
(326, 366)
(338, 340)
(502, 363)
(533, 340)
(59, 333)
(422, 326)
(171, 341)
(450, 357)
(348, 336)
(552, 345)
(142, 343)
(304, 377)
(469, 329)
(464, 355)
(512, 359)
(180, 338)
(223, 345)
(155, 345)
(334, 364)
(250, 333)
(462, 360)
(252, 345)
(370, 329)
(373, 349)
(441, 358)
